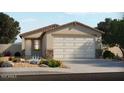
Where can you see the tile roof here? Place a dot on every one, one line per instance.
(43, 29)
(56, 26)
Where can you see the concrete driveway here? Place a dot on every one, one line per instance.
(94, 66)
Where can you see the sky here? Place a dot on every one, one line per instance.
(33, 20)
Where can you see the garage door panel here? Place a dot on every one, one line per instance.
(68, 56)
(58, 50)
(58, 56)
(68, 50)
(69, 44)
(79, 39)
(74, 47)
(58, 38)
(68, 39)
(65, 47)
(58, 45)
(74, 53)
(66, 53)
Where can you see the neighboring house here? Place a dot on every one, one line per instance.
(11, 47)
(69, 41)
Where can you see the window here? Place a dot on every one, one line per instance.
(36, 44)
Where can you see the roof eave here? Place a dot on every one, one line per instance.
(37, 30)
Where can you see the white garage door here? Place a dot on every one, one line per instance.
(73, 47)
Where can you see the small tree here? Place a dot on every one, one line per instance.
(108, 54)
(9, 29)
(114, 32)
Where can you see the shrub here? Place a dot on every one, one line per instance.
(16, 59)
(33, 62)
(8, 53)
(43, 61)
(7, 64)
(1, 62)
(50, 62)
(10, 58)
(13, 59)
(17, 54)
(53, 63)
(108, 54)
(1, 55)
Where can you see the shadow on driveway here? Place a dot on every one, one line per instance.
(99, 62)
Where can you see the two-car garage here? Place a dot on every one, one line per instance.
(73, 47)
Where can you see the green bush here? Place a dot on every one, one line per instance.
(43, 61)
(13, 59)
(1, 55)
(50, 62)
(10, 59)
(7, 64)
(1, 62)
(108, 54)
(53, 63)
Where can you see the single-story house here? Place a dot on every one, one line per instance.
(73, 40)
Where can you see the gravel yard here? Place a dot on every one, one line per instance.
(20, 64)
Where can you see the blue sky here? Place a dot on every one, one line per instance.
(33, 20)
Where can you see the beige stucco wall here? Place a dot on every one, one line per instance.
(35, 35)
(87, 30)
(71, 31)
(10, 47)
(23, 43)
(28, 46)
(43, 45)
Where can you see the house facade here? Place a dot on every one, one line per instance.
(69, 41)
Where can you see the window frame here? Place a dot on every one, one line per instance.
(36, 43)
